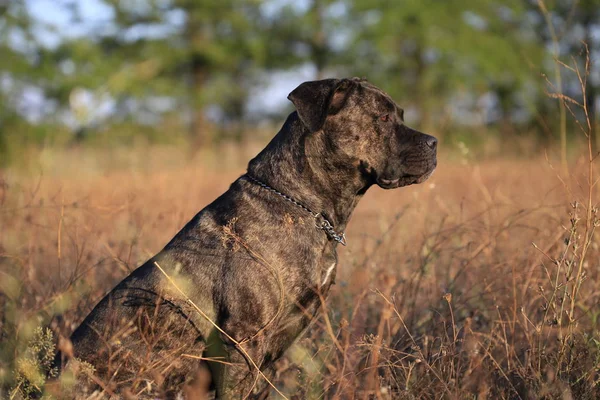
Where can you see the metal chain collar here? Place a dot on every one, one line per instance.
(321, 221)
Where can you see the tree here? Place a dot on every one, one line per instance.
(313, 33)
(429, 51)
(156, 58)
(19, 75)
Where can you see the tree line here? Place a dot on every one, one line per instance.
(193, 66)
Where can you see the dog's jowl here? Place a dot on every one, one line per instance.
(242, 280)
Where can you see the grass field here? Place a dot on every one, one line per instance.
(480, 283)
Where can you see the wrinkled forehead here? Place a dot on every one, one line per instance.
(373, 98)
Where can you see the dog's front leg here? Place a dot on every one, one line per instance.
(238, 375)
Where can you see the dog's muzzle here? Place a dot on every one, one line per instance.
(416, 166)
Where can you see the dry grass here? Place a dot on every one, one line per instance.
(467, 286)
(480, 283)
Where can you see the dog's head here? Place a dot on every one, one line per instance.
(363, 127)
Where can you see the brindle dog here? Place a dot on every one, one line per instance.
(243, 279)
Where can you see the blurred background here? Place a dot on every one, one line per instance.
(110, 73)
(120, 119)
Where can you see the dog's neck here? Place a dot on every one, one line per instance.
(301, 165)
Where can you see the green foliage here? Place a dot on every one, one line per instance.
(432, 51)
(186, 60)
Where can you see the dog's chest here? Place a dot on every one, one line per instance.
(328, 268)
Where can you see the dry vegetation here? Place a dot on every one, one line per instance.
(479, 283)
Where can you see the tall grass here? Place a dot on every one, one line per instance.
(479, 283)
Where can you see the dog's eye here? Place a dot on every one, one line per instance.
(384, 118)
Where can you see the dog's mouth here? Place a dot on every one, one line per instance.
(404, 180)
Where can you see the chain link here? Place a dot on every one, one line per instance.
(325, 224)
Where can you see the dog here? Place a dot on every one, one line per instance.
(243, 279)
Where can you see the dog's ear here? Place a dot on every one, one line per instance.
(315, 100)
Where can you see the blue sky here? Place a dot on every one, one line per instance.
(57, 18)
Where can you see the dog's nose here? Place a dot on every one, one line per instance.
(431, 142)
